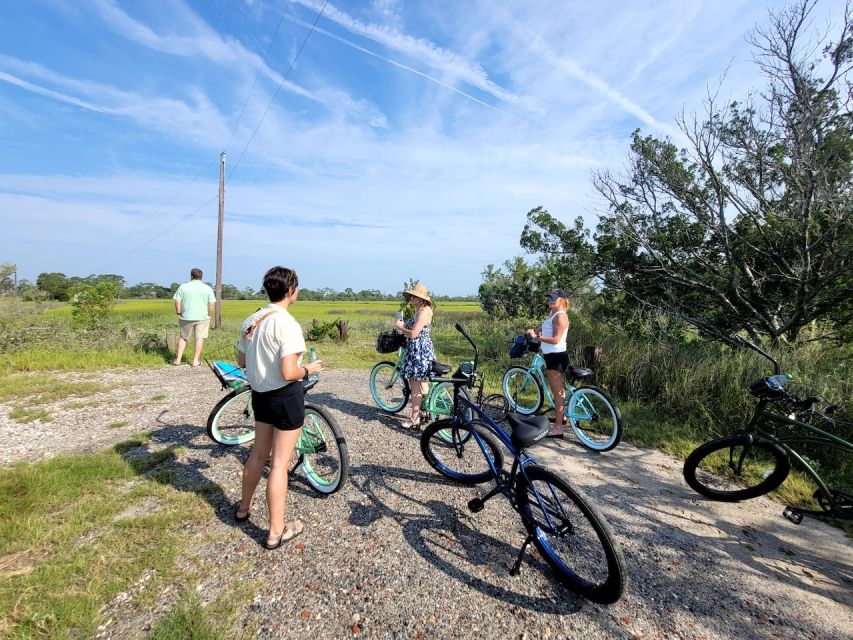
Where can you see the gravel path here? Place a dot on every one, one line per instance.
(396, 553)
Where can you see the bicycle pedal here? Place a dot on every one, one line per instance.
(476, 505)
(794, 515)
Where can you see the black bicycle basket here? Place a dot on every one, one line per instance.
(390, 341)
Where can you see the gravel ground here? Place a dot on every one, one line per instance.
(397, 554)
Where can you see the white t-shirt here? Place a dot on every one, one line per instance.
(277, 336)
(548, 332)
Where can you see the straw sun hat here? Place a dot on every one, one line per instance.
(419, 291)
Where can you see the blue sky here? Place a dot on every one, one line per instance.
(409, 140)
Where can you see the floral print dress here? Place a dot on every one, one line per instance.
(419, 354)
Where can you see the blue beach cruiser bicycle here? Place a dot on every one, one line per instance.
(570, 533)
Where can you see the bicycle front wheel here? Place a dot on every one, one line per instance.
(322, 451)
(522, 391)
(232, 420)
(572, 535)
(736, 468)
(461, 458)
(387, 387)
(595, 418)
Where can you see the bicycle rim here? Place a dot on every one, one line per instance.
(232, 421)
(387, 387)
(441, 407)
(322, 451)
(594, 418)
(572, 536)
(522, 391)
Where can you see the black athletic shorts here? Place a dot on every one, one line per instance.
(556, 361)
(283, 408)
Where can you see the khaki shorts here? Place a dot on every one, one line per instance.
(199, 328)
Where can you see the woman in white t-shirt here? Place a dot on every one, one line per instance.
(552, 335)
(271, 347)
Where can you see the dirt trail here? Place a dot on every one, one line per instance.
(396, 553)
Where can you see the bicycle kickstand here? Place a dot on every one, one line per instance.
(517, 566)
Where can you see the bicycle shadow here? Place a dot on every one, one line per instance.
(437, 531)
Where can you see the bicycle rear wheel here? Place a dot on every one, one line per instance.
(522, 391)
(388, 388)
(595, 418)
(232, 420)
(461, 458)
(322, 451)
(736, 468)
(572, 535)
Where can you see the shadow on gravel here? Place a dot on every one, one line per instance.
(436, 531)
(189, 474)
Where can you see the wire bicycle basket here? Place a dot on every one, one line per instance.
(223, 364)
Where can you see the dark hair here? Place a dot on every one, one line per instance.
(196, 274)
(279, 282)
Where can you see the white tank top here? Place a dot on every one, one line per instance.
(548, 332)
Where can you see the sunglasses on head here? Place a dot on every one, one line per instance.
(551, 298)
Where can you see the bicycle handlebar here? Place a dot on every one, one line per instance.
(461, 330)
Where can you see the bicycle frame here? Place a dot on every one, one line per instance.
(504, 482)
(815, 436)
(537, 371)
(425, 401)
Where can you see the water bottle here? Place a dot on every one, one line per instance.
(312, 356)
(778, 382)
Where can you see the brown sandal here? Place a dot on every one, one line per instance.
(289, 533)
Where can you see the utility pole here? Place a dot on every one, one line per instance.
(218, 313)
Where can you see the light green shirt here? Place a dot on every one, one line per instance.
(195, 296)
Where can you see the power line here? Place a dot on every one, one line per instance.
(280, 85)
(258, 75)
(231, 137)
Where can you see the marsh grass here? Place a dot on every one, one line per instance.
(68, 542)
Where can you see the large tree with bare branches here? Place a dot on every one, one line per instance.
(746, 232)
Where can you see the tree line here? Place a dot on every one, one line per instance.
(58, 286)
(744, 235)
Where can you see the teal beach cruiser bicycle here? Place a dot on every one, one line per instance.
(390, 391)
(570, 533)
(321, 453)
(589, 410)
(758, 459)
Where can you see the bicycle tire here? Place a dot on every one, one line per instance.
(574, 530)
(461, 460)
(232, 420)
(698, 477)
(595, 418)
(522, 391)
(322, 450)
(388, 389)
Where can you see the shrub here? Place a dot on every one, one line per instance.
(91, 305)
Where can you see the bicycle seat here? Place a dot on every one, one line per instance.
(527, 429)
(579, 373)
(307, 384)
(439, 369)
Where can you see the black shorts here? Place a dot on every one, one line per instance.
(283, 408)
(556, 361)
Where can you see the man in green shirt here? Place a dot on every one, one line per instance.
(194, 302)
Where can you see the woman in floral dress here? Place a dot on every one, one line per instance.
(419, 351)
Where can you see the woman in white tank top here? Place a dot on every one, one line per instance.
(552, 335)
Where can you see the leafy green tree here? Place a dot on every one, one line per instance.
(55, 285)
(747, 234)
